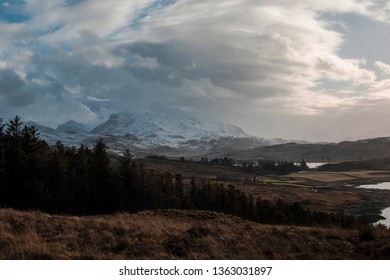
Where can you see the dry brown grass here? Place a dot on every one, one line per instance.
(174, 234)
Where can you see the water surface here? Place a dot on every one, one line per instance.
(315, 164)
(380, 186)
(386, 212)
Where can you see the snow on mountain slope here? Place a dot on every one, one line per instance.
(170, 131)
(46, 133)
(72, 133)
(146, 133)
(41, 128)
(72, 127)
(69, 133)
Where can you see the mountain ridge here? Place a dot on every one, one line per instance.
(170, 135)
(145, 133)
(176, 136)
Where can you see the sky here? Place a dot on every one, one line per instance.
(303, 69)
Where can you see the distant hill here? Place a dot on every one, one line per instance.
(72, 127)
(329, 152)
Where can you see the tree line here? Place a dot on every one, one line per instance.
(260, 167)
(85, 181)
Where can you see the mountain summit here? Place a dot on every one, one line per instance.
(72, 127)
(165, 130)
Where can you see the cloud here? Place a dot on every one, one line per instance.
(337, 69)
(385, 68)
(228, 60)
(102, 17)
(13, 34)
(92, 98)
(36, 99)
(13, 89)
(273, 50)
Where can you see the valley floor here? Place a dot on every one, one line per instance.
(174, 234)
(338, 194)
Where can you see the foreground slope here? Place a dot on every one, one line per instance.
(173, 234)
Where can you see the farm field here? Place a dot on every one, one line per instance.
(331, 177)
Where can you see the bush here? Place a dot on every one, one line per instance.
(366, 233)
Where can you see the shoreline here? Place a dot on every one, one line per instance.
(373, 211)
(372, 201)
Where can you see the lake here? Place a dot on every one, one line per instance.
(385, 212)
(315, 164)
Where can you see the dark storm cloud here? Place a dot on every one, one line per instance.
(176, 63)
(14, 90)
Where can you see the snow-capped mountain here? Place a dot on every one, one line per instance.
(169, 131)
(146, 133)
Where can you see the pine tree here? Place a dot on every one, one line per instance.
(127, 192)
(2, 163)
(100, 178)
(15, 164)
(14, 127)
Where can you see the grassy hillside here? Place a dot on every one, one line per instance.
(174, 234)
